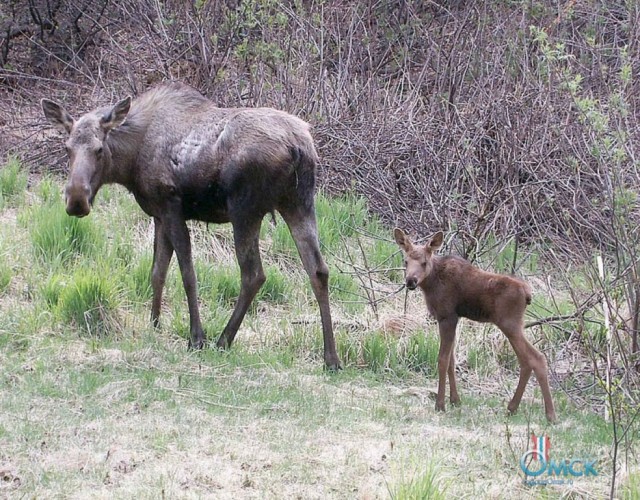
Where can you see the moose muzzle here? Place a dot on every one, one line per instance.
(78, 199)
(412, 283)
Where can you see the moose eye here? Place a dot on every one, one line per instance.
(99, 151)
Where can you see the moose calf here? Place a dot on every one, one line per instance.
(452, 289)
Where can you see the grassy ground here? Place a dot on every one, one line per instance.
(96, 404)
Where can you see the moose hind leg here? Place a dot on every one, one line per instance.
(541, 370)
(302, 224)
(246, 237)
(530, 359)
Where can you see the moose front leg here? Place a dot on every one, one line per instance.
(162, 253)
(447, 330)
(176, 231)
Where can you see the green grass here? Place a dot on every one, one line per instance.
(6, 273)
(52, 288)
(386, 258)
(276, 287)
(90, 301)
(228, 284)
(630, 489)
(480, 360)
(56, 238)
(13, 182)
(422, 353)
(49, 191)
(138, 282)
(339, 219)
(344, 288)
(422, 483)
(379, 352)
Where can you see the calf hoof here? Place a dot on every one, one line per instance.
(551, 418)
(440, 407)
(455, 401)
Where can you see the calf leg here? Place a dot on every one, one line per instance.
(530, 359)
(246, 236)
(302, 224)
(175, 229)
(162, 253)
(453, 389)
(447, 329)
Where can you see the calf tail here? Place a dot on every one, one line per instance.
(527, 293)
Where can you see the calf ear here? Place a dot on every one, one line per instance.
(401, 239)
(116, 115)
(436, 240)
(57, 115)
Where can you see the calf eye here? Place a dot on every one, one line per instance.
(99, 151)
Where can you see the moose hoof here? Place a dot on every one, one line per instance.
(196, 345)
(222, 344)
(332, 362)
(456, 402)
(551, 418)
(333, 367)
(440, 407)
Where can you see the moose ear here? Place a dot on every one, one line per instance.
(401, 239)
(436, 240)
(116, 115)
(57, 115)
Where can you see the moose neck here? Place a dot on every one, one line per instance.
(123, 145)
(432, 279)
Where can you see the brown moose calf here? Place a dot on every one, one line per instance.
(454, 289)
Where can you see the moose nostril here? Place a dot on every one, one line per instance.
(412, 283)
(77, 208)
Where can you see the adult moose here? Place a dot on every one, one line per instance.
(184, 158)
(452, 289)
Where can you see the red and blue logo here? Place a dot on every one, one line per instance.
(541, 446)
(536, 462)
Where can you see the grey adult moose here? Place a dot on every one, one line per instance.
(452, 289)
(184, 158)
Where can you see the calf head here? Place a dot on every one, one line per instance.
(418, 259)
(89, 154)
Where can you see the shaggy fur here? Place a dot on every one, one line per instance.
(184, 158)
(454, 289)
